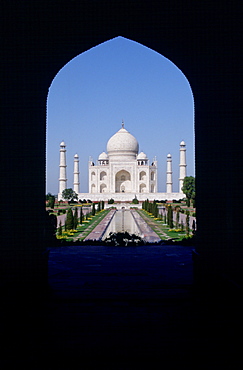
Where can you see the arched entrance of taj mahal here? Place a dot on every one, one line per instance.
(205, 89)
(123, 182)
(38, 41)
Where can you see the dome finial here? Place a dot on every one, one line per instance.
(122, 123)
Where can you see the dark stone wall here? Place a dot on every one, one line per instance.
(39, 38)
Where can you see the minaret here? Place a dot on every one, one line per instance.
(76, 174)
(169, 174)
(62, 166)
(182, 164)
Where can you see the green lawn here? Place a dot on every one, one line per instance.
(160, 228)
(86, 227)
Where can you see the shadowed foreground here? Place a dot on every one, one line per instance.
(123, 308)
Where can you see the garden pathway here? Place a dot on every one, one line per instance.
(98, 231)
(147, 232)
(153, 224)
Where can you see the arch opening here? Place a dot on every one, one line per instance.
(103, 188)
(142, 176)
(93, 176)
(159, 98)
(123, 182)
(93, 188)
(103, 176)
(142, 188)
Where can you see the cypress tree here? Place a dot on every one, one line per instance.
(187, 223)
(150, 207)
(147, 205)
(75, 218)
(98, 209)
(170, 217)
(155, 209)
(59, 231)
(81, 216)
(177, 218)
(93, 209)
(51, 201)
(102, 205)
(69, 219)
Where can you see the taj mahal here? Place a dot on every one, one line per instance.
(122, 173)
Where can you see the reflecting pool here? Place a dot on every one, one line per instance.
(121, 222)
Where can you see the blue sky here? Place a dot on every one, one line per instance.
(114, 81)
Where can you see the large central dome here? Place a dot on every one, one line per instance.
(122, 144)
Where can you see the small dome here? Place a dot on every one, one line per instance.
(62, 144)
(142, 155)
(122, 143)
(76, 156)
(103, 156)
(182, 143)
(169, 156)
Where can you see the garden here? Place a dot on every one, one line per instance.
(167, 221)
(78, 224)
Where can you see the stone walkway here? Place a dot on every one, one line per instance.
(153, 224)
(147, 233)
(99, 230)
(96, 232)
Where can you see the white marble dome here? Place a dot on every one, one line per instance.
(103, 156)
(122, 143)
(142, 155)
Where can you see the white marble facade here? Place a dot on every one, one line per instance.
(122, 173)
(122, 169)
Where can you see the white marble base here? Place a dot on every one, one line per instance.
(128, 197)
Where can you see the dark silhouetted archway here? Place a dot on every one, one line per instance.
(39, 39)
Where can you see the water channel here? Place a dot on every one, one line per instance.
(122, 221)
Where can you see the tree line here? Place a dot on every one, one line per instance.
(73, 219)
